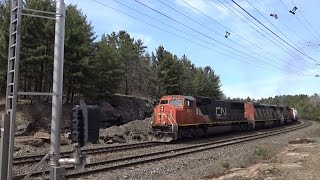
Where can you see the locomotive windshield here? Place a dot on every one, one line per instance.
(176, 102)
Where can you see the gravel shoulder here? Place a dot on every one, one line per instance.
(268, 158)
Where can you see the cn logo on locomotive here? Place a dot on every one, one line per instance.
(221, 111)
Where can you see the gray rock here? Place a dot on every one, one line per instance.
(118, 139)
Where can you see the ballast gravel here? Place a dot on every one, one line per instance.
(211, 164)
(202, 165)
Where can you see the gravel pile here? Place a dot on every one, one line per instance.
(135, 131)
(131, 132)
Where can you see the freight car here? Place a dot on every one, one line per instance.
(179, 116)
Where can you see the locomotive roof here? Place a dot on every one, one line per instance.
(179, 96)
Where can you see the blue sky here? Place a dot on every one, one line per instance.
(250, 62)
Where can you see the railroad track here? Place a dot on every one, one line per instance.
(119, 163)
(36, 158)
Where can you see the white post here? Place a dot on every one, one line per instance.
(55, 169)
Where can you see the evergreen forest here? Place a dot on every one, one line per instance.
(96, 68)
(115, 63)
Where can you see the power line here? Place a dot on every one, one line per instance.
(248, 62)
(211, 29)
(222, 26)
(273, 32)
(194, 29)
(301, 22)
(271, 23)
(193, 36)
(282, 23)
(276, 27)
(306, 19)
(279, 44)
(286, 26)
(228, 55)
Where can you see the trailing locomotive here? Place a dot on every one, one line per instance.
(179, 116)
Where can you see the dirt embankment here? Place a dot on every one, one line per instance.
(300, 160)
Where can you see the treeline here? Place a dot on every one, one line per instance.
(307, 106)
(96, 68)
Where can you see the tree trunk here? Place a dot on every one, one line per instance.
(72, 96)
(126, 85)
(68, 91)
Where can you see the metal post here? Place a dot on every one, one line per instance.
(55, 169)
(12, 77)
(5, 134)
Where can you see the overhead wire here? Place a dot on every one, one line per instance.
(174, 34)
(151, 17)
(279, 44)
(279, 19)
(222, 26)
(299, 9)
(306, 55)
(300, 21)
(213, 30)
(219, 42)
(282, 23)
(272, 24)
(277, 29)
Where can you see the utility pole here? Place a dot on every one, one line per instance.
(9, 118)
(56, 171)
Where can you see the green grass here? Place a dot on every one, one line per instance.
(261, 152)
(225, 164)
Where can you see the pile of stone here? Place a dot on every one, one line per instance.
(135, 131)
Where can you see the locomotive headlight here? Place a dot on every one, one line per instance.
(162, 108)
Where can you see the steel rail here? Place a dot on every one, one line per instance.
(171, 153)
(35, 158)
(113, 164)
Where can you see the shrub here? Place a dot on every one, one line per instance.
(225, 164)
(261, 152)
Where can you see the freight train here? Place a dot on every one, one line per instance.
(179, 116)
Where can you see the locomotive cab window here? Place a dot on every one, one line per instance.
(176, 102)
(164, 102)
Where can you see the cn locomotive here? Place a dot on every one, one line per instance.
(179, 116)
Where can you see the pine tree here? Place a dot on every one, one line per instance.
(109, 68)
(169, 72)
(4, 39)
(37, 43)
(79, 68)
(187, 69)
